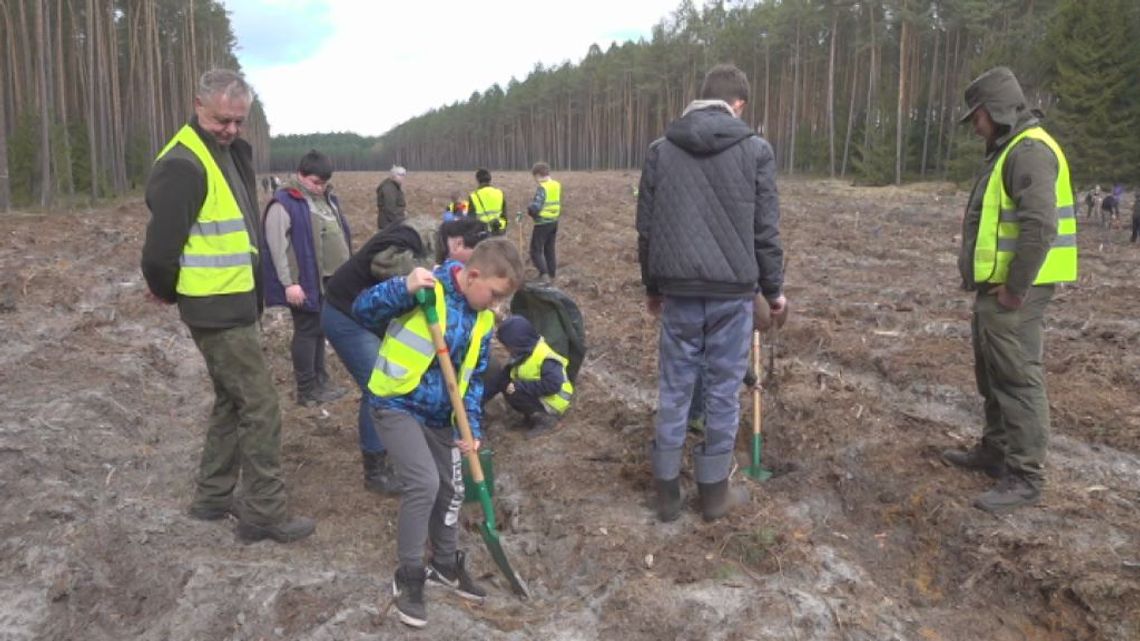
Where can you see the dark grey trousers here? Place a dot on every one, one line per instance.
(542, 253)
(244, 436)
(428, 464)
(1010, 376)
(308, 349)
(710, 336)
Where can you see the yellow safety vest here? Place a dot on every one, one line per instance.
(553, 205)
(488, 203)
(407, 350)
(218, 255)
(530, 370)
(998, 228)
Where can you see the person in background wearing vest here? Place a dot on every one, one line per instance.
(708, 240)
(413, 412)
(390, 204)
(389, 253)
(306, 240)
(545, 210)
(456, 208)
(488, 204)
(201, 253)
(1018, 240)
(534, 381)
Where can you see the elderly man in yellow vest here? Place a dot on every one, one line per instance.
(201, 253)
(1018, 240)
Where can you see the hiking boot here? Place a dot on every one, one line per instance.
(452, 573)
(408, 588)
(379, 477)
(979, 457)
(1012, 491)
(318, 395)
(540, 424)
(285, 531)
(668, 499)
(207, 513)
(720, 497)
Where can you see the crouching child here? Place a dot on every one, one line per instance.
(413, 412)
(534, 382)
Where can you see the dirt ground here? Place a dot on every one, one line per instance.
(864, 535)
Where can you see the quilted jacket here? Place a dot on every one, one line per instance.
(707, 211)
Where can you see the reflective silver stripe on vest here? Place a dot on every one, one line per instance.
(217, 228)
(564, 395)
(390, 368)
(465, 376)
(1062, 240)
(216, 260)
(1010, 215)
(413, 340)
(552, 202)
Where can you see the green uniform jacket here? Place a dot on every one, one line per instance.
(1030, 178)
(174, 194)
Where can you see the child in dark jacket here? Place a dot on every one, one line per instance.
(534, 382)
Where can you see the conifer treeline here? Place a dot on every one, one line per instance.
(839, 87)
(90, 91)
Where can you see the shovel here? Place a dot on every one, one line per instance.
(426, 300)
(756, 471)
(519, 223)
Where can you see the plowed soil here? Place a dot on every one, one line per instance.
(863, 535)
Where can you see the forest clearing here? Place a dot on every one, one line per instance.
(863, 534)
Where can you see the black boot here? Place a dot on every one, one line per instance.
(981, 457)
(668, 499)
(285, 531)
(720, 497)
(1012, 491)
(379, 476)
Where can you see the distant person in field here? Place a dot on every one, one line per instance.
(708, 241)
(1135, 217)
(1109, 210)
(1092, 201)
(306, 240)
(391, 207)
(201, 253)
(488, 204)
(544, 209)
(456, 208)
(1019, 239)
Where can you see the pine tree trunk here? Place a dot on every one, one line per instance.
(929, 111)
(45, 106)
(901, 109)
(831, 96)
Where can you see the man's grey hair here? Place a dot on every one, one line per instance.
(398, 170)
(225, 83)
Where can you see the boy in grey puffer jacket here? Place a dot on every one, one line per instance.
(708, 242)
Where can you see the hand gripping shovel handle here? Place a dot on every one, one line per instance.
(426, 300)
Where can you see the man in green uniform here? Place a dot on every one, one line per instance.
(201, 253)
(1018, 241)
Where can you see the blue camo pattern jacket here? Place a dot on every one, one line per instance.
(428, 402)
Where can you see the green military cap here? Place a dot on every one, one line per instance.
(997, 87)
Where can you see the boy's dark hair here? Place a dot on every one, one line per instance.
(540, 169)
(316, 164)
(483, 176)
(725, 82)
(498, 258)
(472, 230)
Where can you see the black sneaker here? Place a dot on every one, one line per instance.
(319, 395)
(408, 588)
(454, 576)
(541, 424)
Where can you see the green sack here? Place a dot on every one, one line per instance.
(557, 318)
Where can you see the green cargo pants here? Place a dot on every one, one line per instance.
(244, 434)
(1010, 376)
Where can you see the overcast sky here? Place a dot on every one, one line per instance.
(368, 65)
